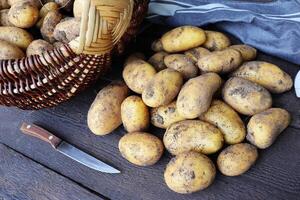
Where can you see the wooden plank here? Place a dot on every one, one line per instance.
(24, 179)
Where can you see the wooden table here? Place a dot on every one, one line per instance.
(31, 170)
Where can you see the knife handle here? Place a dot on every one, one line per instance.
(40, 133)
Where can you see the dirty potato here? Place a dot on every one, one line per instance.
(104, 115)
(237, 159)
(15, 36)
(67, 30)
(265, 74)
(36, 3)
(157, 60)
(38, 46)
(142, 149)
(216, 41)
(162, 88)
(196, 95)
(196, 53)
(248, 53)
(10, 51)
(157, 46)
(246, 97)
(50, 6)
(50, 21)
(263, 128)
(67, 5)
(189, 172)
(4, 20)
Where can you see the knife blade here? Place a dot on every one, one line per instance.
(297, 84)
(67, 149)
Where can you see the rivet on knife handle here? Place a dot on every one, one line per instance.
(42, 134)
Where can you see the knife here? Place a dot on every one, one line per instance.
(297, 84)
(67, 149)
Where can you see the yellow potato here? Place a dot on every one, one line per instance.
(38, 46)
(104, 115)
(263, 128)
(189, 172)
(248, 52)
(237, 159)
(193, 135)
(157, 46)
(50, 6)
(142, 149)
(157, 60)
(162, 88)
(16, 36)
(137, 74)
(196, 95)
(50, 21)
(135, 114)
(246, 97)
(196, 53)
(216, 41)
(183, 38)
(221, 61)
(265, 74)
(4, 21)
(164, 116)
(227, 120)
(10, 51)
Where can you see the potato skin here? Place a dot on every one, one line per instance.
(248, 53)
(216, 41)
(67, 30)
(162, 88)
(265, 74)
(157, 60)
(193, 135)
(38, 46)
(137, 74)
(140, 148)
(36, 3)
(50, 21)
(246, 97)
(220, 61)
(263, 128)
(182, 64)
(196, 53)
(135, 114)
(4, 21)
(189, 172)
(196, 95)
(157, 45)
(227, 120)
(16, 36)
(10, 51)
(164, 116)
(50, 6)
(183, 38)
(237, 159)
(104, 115)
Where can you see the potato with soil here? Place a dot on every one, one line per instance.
(49, 23)
(164, 116)
(38, 46)
(196, 53)
(227, 120)
(16, 36)
(246, 97)
(182, 64)
(196, 95)
(104, 115)
(157, 46)
(265, 74)
(67, 30)
(162, 88)
(36, 3)
(10, 51)
(189, 172)
(216, 41)
(135, 114)
(4, 21)
(220, 61)
(248, 53)
(193, 135)
(137, 74)
(237, 159)
(157, 60)
(183, 38)
(142, 149)
(50, 6)
(263, 128)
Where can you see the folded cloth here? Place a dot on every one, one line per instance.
(272, 26)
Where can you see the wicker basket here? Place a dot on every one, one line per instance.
(53, 77)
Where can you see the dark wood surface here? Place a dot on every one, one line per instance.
(276, 174)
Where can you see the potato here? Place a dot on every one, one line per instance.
(263, 128)
(77, 8)
(157, 60)
(23, 14)
(135, 56)
(196, 53)
(10, 51)
(216, 41)
(135, 114)
(220, 61)
(237, 159)
(246, 97)
(16, 36)
(4, 21)
(50, 6)
(104, 115)
(49, 23)
(164, 116)
(247, 52)
(227, 120)
(4, 4)
(162, 88)
(183, 38)
(67, 30)
(36, 3)
(189, 172)
(38, 46)
(157, 46)
(142, 149)
(137, 74)
(182, 64)
(265, 74)
(67, 5)
(193, 135)
(196, 95)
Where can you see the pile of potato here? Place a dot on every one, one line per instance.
(52, 23)
(195, 86)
